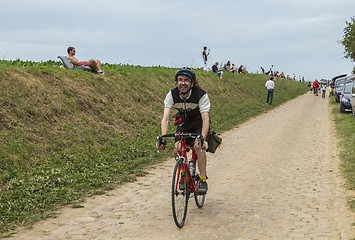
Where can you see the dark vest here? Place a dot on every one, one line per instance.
(188, 108)
(205, 55)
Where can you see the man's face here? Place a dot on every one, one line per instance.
(73, 51)
(184, 83)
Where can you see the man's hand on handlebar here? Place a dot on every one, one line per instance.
(199, 144)
(161, 143)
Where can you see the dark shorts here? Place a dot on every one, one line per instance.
(191, 127)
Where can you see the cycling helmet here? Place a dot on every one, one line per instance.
(187, 72)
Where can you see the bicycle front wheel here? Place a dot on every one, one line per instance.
(179, 197)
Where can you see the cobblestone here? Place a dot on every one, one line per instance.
(275, 177)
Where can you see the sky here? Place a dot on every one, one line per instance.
(297, 37)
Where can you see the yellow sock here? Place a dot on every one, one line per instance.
(203, 178)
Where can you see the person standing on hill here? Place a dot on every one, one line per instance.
(271, 70)
(270, 85)
(204, 56)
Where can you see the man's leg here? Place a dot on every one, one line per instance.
(271, 95)
(268, 96)
(201, 158)
(93, 65)
(98, 65)
(177, 146)
(202, 162)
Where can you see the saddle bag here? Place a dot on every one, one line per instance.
(214, 141)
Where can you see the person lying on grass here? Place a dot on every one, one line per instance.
(94, 64)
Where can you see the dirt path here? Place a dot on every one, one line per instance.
(275, 177)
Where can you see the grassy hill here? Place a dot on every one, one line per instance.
(67, 134)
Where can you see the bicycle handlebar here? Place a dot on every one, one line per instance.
(182, 136)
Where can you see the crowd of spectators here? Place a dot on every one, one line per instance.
(277, 74)
(228, 67)
(233, 68)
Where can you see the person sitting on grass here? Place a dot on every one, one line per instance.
(216, 70)
(227, 66)
(94, 64)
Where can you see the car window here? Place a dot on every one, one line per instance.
(341, 82)
(347, 88)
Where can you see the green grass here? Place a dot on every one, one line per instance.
(345, 129)
(69, 134)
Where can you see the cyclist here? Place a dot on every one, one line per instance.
(193, 107)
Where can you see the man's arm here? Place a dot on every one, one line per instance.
(165, 121)
(164, 128)
(75, 61)
(205, 124)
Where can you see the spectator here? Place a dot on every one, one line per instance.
(331, 88)
(216, 70)
(262, 70)
(240, 69)
(315, 87)
(324, 88)
(204, 56)
(94, 64)
(233, 70)
(310, 87)
(270, 85)
(227, 66)
(271, 71)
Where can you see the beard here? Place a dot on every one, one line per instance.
(185, 91)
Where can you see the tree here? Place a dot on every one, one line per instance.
(349, 39)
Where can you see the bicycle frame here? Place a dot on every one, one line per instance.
(182, 156)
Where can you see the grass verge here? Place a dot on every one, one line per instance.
(345, 129)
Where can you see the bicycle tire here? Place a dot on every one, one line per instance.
(199, 199)
(179, 198)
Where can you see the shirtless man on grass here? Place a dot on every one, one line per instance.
(94, 64)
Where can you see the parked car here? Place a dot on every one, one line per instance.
(339, 76)
(339, 83)
(345, 97)
(352, 99)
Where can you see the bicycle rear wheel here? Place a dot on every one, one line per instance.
(179, 198)
(199, 199)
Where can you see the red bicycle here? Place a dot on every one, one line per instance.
(185, 181)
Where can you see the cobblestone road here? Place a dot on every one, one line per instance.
(275, 177)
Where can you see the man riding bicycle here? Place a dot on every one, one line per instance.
(193, 107)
